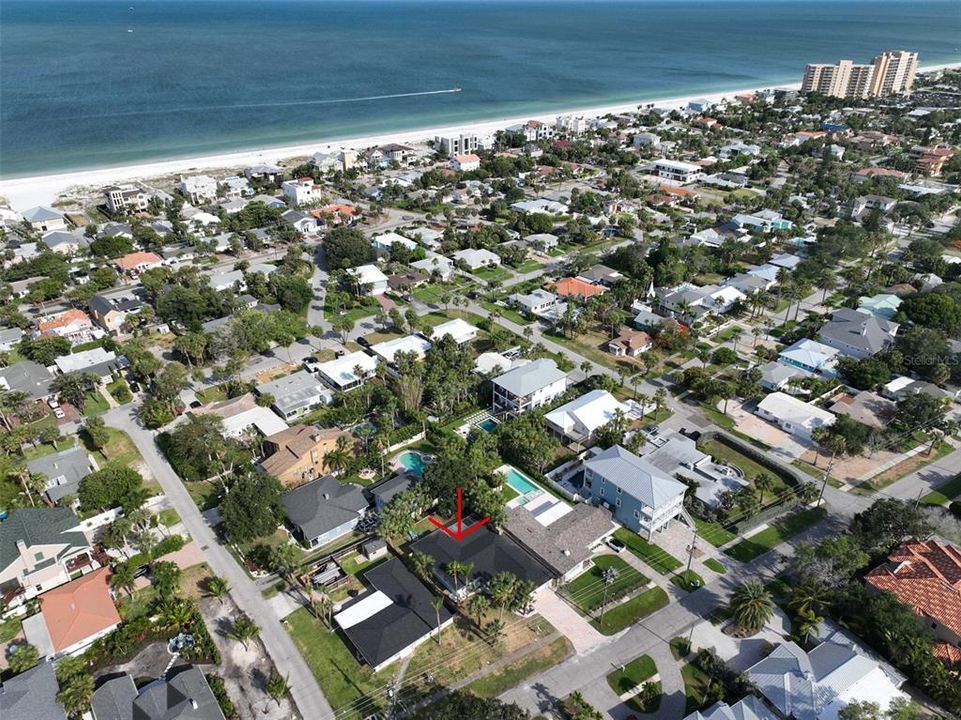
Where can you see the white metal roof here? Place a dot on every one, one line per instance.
(362, 609)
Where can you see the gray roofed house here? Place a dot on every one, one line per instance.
(184, 695)
(32, 695)
(528, 386)
(28, 377)
(680, 456)
(816, 685)
(65, 241)
(565, 546)
(638, 493)
(393, 618)
(748, 708)
(323, 510)
(488, 552)
(63, 471)
(856, 334)
(295, 394)
(384, 492)
(10, 337)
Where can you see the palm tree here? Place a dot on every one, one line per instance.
(807, 624)
(501, 590)
(586, 367)
(422, 564)
(763, 482)
(752, 606)
(477, 606)
(75, 694)
(243, 630)
(277, 686)
(175, 614)
(218, 587)
(438, 603)
(123, 578)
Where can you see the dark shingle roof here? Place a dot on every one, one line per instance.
(322, 505)
(38, 526)
(184, 695)
(31, 695)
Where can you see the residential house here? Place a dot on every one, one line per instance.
(676, 171)
(198, 189)
(369, 278)
(927, 160)
(792, 415)
(395, 616)
(540, 205)
(9, 337)
(578, 420)
(323, 510)
(65, 243)
(294, 395)
(40, 548)
(435, 264)
(45, 219)
(121, 199)
(389, 488)
(926, 576)
(601, 275)
(302, 191)
(303, 222)
(811, 356)
(630, 343)
(763, 220)
(452, 145)
(460, 330)
(477, 258)
(777, 376)
(466, 163)
(883, 306)
(137, 262)
(527, 387)
(901, 387)
(384, 244)
(638, 494)
(73, 324)
(111, 313)
(299, 454)
(817, 685)
(532, 131)
(647, 139)
(28, 377)
(32, 695)
(866, 407)
(62, 471)
(273, 174)
(242, 415)
(348, 371)
(543, 242)
(679, 458)
(487, 551)
(73, 616)
(577, 288)
(227, 280)
(339, 160)
(856, 334)
(184, 694)
(733, 149)
(96, 361)
(747, 708)
(535, 302)
(412, 344)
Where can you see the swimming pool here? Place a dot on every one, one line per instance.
(488, 425)
(520, 482)
(412, 461)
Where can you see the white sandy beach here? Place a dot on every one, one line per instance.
(24, 193)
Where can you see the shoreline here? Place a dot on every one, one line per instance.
(25, 192)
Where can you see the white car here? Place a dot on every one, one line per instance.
(59, 414)
(53, 403)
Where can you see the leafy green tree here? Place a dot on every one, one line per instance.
(96, 429)
(251, 509)
(277, 687)
(347, 247)
(888, 523)
(218, 587)
(74, 387)
(21, 657)
(113, 486)
(165, 578)
(463, 705)
(45, 350)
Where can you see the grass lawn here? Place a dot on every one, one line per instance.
(680, 648)
(354, 314)
(117, 387)
(944, 494)
(778, 532)
(43, 449)
(626, 614)
(341, 677)
(508, 493)
(713, 532)
(587, 591)
(663, 562)
(212, 394)
(632, 675)
(688, 580)
(9, 629)
(356, 563)
(505, 312)
(515, 673)
(715, 566)
(529, 265)
(168, 517)
(119, 448)
(204, 494)
(695, 687)
(95, 404)
(497, 273)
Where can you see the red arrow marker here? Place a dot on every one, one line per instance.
(461, 531)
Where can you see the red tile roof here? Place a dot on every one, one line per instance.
(926, 576)
(576, 287)
(132, 261)
(948, 654)
(78, 610)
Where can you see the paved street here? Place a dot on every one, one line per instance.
(303, 687)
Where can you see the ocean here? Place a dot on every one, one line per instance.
(94, 83)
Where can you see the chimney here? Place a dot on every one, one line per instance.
(326, 496)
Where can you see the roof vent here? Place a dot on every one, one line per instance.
(193, 703)
(567, 553)
(326, 496)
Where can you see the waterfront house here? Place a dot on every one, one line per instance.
(44, 219)
(640, 496)
(323, 510)
(121, 199)
(528, 386)
(198, 189)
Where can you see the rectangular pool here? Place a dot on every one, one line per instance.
(520, 482)
(488, 425)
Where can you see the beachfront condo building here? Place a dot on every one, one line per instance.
(453, 145)
(890, 73)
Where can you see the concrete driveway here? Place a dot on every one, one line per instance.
(567, 620)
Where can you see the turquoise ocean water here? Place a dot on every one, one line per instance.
(92, 83)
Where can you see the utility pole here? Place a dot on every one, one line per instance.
(690, 553)
(827, 474)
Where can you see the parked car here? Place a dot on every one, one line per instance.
(651, 429)
(616, 545)
(134, 387)
(59, 414)
(53, 403)
(363, 342)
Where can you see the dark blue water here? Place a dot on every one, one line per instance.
(77, 89)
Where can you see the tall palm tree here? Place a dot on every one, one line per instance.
(438, 603)
(277, 687)
(763, 483)
(752, 606)
(218, 587)
(122, 578)
(421, 563)
(243, 630)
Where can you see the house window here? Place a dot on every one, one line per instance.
(618, 503)
(38, 556)
(637, 514)
(618, 491)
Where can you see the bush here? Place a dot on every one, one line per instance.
(220, 692)
(121, 393)
(171, 543)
